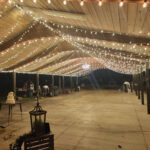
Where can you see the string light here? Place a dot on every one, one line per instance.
(9, 1)
(145, 4)
(100, 3)
(11, 30)
(65, 2)
(21, 1)
(112, 63)
(121, 3)
(83, 30)
(49, 1)
(86, 66)
(41, 61)
(60, 64)
(19, 40)
(34, 1)
(44, 41)
(82, 3)
(75, 44)
(113, 34)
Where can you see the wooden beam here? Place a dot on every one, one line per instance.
(53, 84)
(44, 53)
(71, 84)
(63, 83)
(37, 85)
(56, 13)
(148, 86)
(14, 82)
(60, 83)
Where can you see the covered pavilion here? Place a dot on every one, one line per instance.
(72, 39)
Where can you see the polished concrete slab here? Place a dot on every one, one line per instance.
(88, 120)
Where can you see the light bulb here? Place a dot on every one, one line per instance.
(49, 1)
(145, 4)
(121, 3)
(9, 1)
(65, 2)
(82, 3)
(21, 1)
(100, 3)
(34, 1)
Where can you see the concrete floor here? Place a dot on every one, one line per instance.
(89, 120)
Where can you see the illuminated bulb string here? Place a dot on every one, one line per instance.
(3, 64)
(84, 31)
(19, 40)
(96, 43)
(86, 51)
(111, 63)
(41, 61)
(108, 63)
(9, 33)
(3, 10)
(77, 30)
(99, 51)
(38, 61)
(73, 43)
(59, 32)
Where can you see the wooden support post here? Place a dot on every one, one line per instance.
(142, 89)
(135, 84)
(53, 80)
(59, 83)
(142, 86)
(71, 83)
(77, 81)
(148, 86)
(37, 86)
(53, 84)
(142, 96)
(139, 96)
(131, 85)
(14, 82)
(63, 83)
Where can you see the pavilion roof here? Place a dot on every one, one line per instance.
(48, 37)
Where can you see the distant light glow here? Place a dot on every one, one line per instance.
(86, 66)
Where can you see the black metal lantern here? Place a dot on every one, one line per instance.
(37, 119)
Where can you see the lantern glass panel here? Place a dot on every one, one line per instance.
(38, 119)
